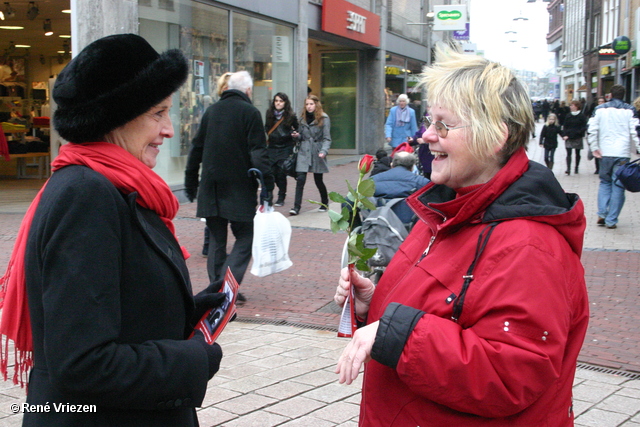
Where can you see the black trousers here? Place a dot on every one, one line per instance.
(281, 179)
(240, 256)
(301, 180)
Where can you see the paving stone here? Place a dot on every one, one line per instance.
(308, 421)
(261, 419)
(331, 393)
(295, 407)
(246, 403)
(338, 412)
(593, 392)
(214, 417)
(599, 418)
(621, 404)
(284, 390)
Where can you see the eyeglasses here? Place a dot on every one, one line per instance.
(441, 129)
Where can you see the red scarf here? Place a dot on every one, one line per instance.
(127, 174)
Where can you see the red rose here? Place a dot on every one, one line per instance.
(366, 163)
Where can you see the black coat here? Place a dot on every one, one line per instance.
(574, 127)
(230, 140)
(281, 142)
(110, 302)
(549, 136)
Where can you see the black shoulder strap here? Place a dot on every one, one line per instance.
(483, 238)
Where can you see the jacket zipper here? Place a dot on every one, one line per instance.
(426, 251)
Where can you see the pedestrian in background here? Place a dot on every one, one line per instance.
(401, 122)
(221, 85)
(425, 157)
(612, 133)
(549, 139)
(110, 305)
(461, 331)
(230, 141)
(281, 126)
(315, 141)
(573, 131)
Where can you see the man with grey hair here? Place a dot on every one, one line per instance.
(399, 181)
(230, 141)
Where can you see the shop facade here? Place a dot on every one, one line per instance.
(346, 53)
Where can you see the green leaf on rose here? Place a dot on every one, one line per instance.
(367, 188)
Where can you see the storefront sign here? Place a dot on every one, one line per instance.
(605, 71)
(621, 45)
(606, 54)
(469, 48)
(450, 17)
(348, 20)
(462, 34)
(280, 49)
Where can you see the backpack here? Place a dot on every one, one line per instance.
(383, 229)
(629, 176)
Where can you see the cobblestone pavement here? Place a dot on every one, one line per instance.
(281, 353)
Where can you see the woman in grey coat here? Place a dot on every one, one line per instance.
(315, 140)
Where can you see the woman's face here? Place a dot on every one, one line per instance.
(552, 120)
(278, 103)
(454, 165)
(310, 105)
(143, 135)
(573, 107)
(402, 103)
(601, 101)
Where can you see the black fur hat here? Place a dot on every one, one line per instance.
(111, 82)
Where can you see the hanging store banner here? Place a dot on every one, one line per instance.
(348, 20)
(450, 17)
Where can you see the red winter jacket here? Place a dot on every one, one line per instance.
(510, 358)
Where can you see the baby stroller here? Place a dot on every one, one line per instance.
(384, 228)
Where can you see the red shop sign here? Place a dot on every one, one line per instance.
(347, 20)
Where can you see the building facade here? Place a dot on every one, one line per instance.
(356, 56)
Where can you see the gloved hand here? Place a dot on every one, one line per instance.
(207, 299)
(268, 198)
(191, 193)
(214, 352)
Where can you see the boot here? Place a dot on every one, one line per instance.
(577, 163)
(550, 165)
(568, 171)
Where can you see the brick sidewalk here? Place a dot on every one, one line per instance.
(302, 294)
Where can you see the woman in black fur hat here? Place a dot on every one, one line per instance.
(110, 306)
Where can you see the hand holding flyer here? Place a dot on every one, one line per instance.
(348, 323)
(215, 320)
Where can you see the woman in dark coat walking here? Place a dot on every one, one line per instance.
(573, 130)
(110, 304)
(281, 126)
(549, 139)
(315, 141)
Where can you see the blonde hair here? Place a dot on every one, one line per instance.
(554, 117)
(636, 103)
(222, 83)
(484, 95)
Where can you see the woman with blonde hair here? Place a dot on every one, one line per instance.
(315, 141)
(549, 139)
(461, 330)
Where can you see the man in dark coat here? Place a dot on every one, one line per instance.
(230, 141)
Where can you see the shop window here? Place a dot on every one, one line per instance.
(146, 3)
(166, 5)
(265, 50)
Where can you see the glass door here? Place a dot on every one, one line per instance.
(339, 88)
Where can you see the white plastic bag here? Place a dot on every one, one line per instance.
(271, 237)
